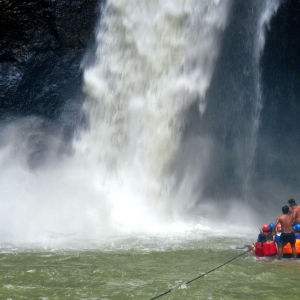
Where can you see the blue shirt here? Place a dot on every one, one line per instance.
(277, 239)
(261, 237)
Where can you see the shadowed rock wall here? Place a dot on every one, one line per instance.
(278, 153)
(42, 44)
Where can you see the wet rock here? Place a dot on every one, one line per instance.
(42, 44)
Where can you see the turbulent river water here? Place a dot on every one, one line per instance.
(158, 186)
(143, 268)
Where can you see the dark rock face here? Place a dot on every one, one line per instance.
(42, 44)
(271, 176)
(278, 152)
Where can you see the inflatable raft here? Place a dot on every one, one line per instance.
(268, 249)
(287, 250)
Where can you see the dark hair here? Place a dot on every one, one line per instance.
(285, 209)
(292, 202)
(269, 236)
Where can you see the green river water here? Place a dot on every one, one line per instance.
(143, 268)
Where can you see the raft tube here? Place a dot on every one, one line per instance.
(287, 250)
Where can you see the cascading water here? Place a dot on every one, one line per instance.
(234, 98)
(267, 10)
(154, 61)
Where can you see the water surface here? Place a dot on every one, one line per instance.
(142, 268)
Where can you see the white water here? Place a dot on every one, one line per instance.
(154, 59)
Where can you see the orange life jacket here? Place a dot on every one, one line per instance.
(267, 249)
(259, 251)
(287, 249)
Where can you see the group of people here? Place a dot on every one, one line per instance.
(286, 229)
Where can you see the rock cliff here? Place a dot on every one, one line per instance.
(42, 44)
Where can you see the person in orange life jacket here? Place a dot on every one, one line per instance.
(269, 238)
(262, 237)
(287, 235)
(272, 247)
(265, 246)
(271, 225)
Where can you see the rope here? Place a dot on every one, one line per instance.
(168, 291)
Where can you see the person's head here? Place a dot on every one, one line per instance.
(285, 209)
(266, 228)
(297, 228)
(271, 225)
(278, 227)
(292, 202)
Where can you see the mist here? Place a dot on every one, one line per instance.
(176, 133)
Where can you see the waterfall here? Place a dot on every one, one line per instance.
(153, 61)
(266, 10)
(235, 100)
(135, 166)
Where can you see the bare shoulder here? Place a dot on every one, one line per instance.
(285, 217)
